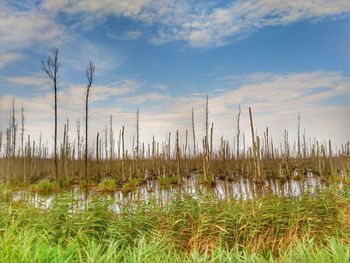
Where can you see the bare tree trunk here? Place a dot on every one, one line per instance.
(178, 158)
(111, 138)
(137, 143)
(255, 153)
(79, 144)
(206, 126)
(0, 141)
(137, 134)
(206, 141)
(89, 75)
(194, 135)
(14, 128)
(97, 155)
(238, 130)
(119, 143)
(51, 68)
(22, 133)
(298, 135)
(123, 156)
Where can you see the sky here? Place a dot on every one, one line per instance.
(281, 58)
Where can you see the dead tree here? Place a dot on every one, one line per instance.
(298, 135)
(137, 134)
(111, 138)
(78, 135)
(177, 157)
(89, 75)
(238, 130)
(206, 126)
(22, 132)
(194, 135)
(51, 68)
(13, 127)
(256, 149)
(0, 141)
(206, 141)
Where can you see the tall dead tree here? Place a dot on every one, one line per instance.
(89, 75)
(0, 141)
(14, 127)
(111, 138)
(194, 135)
(206, 141)
(51, 67)
(78, 135)
(22, 132)
(206, 125)
(298, 135)
(256, 149)
(97, 155)
(238, 129)
(177, 157)
(123, 156)
(137, 134)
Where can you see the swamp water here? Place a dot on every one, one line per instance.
(242, 188)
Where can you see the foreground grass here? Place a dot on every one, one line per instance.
(270, 229)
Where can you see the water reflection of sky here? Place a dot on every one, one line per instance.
(242, 188)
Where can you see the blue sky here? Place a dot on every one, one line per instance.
(278, 57)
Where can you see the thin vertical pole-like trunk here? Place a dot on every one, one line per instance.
(194, 135)
(111, 138)
(254, 148)
(298, 135)
(14, 128)
(238, 131)
(206, 141)
(137, 134)
(98, 155)
(22, 132)
(123, 156)
(51, 68)
(178, 157)
(79, 144)
(89, 75)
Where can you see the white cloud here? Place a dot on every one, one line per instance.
(219, 26)
(275, 99)
(143, 97)
(73, 97)
(161, 87)
(81, 52)
(32, 80)
(8, 58)
(22, 28)
(127, 35)
(203, 24)
(109, 7)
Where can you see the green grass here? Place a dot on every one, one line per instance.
(108, 185)
(132, 185)
(45, 187)
(167, 181)
(206, 182)
(313, 228)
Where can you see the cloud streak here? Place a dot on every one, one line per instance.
(203, 24)
(198, 25)
(276, 100)
(8, 58)
(21, 28)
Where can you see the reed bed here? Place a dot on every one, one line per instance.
(312, 228)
